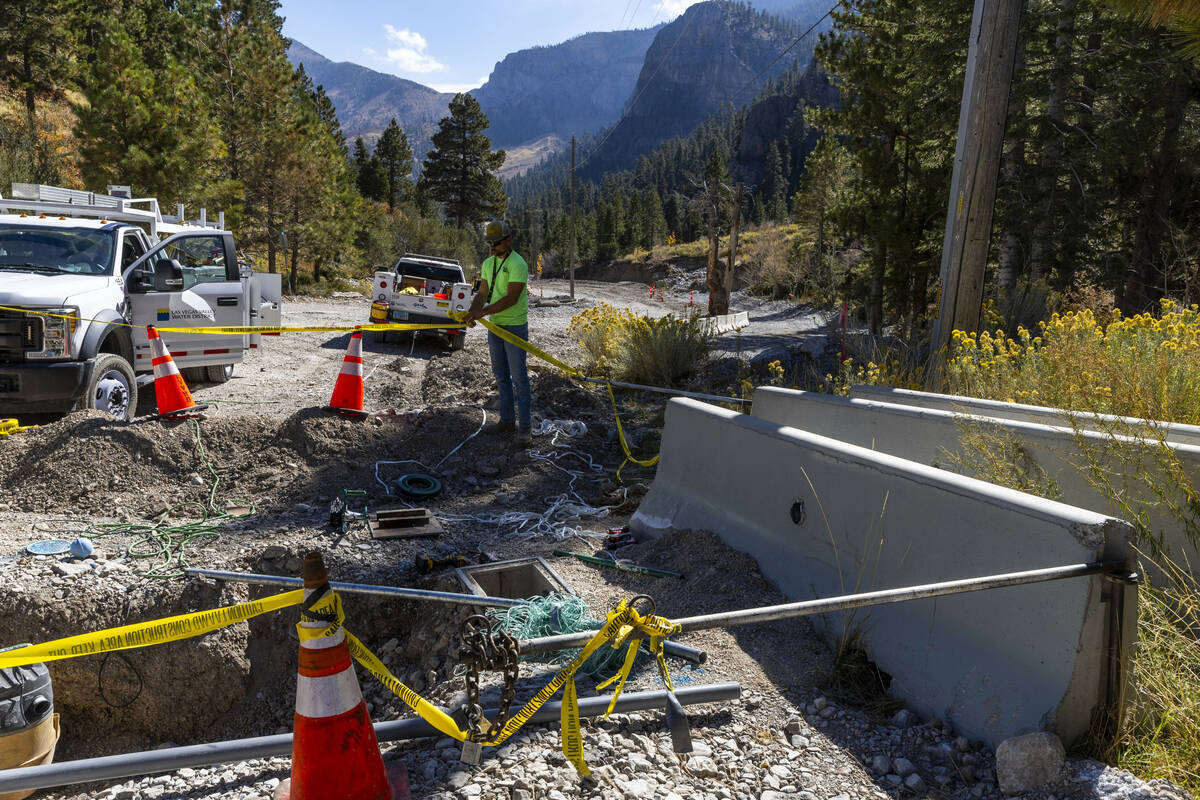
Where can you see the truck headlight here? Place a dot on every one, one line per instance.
(58, 331)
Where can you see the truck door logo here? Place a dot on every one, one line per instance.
(164, 315)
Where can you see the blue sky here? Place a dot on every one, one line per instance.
(452, 45)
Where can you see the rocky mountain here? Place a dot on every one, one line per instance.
(577, 86)
(367, 100)
(715, 53)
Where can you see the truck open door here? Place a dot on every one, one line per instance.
(189, 280)
(266, 301)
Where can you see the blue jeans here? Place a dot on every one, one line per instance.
(508, 365)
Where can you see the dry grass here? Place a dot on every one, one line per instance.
(625, 346)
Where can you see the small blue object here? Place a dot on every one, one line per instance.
(82, 548)
(49, 547)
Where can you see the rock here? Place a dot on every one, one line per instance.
(1024, 763)
(881, 765)
(457, 779)
(914, 783)
(903, 767)
(904, 718)
(800, 742)
(274, 551)
(820, 703)
(794, 726)
(703, 767)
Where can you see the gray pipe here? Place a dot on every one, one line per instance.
(202, 755)
(746, 616)
(672, 649)
(361, 588)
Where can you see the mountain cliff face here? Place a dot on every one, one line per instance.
(367, 100)
(695, 65)
(577, 86)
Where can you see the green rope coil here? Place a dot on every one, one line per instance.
(556, 614)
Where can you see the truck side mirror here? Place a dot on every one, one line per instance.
(168, 275)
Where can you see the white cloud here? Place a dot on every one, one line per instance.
(369, 51)
(454, 87)
(673, 8)
(411, 56)
(406, 37)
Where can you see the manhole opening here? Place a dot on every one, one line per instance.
(516, 579)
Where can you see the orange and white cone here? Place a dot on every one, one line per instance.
(348, 391)
(335, 755)
(170, 391)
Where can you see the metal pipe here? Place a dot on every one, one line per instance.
(361, 588)
(672, 648)
(715, 397)
(202, 755)
(843, 602)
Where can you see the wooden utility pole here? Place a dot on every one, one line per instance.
(977, 154)
(733, 232)
(572, 262)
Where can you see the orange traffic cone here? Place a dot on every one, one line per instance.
(335, 755)
(170, 392)
(348, 391)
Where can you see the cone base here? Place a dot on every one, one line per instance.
(180, 412)
(355, 413)
(397, 777)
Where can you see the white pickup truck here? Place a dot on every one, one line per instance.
(421, 289)
(95, 268)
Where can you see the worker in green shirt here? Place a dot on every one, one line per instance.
(503, 298)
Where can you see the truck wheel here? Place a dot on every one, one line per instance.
(113, 388)
(457, 340)
(219, 373)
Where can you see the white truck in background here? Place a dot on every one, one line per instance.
(421, 289)
(83, 274)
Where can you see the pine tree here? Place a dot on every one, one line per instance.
(37, 42)
(150, 129)
(395, 156)
(459, 170)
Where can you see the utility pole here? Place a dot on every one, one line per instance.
(977, 154)
(733, 233)
(572, 262)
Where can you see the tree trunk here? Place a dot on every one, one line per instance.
(295, 259)
(715, 288)
(271, 234)
(1144, 284)
(30, 97)
(1048, 169)
(875, 301)
(733, 237)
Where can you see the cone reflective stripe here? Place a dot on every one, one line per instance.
(170, 392)
(335, 755)
(348, 391)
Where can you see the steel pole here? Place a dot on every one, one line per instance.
(361, 588)
(843, 602)
(202, 755)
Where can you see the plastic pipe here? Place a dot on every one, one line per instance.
(203, 755)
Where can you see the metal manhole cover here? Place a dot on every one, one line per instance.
(49, 547)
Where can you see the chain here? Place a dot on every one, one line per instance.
(487, 647)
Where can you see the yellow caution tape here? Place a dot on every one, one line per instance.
(242, 330)
(532, 349)
(144, 634)
(9, 426)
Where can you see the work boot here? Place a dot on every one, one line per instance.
(524, 436)
(503, 426)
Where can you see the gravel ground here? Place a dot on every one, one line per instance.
(796, 732)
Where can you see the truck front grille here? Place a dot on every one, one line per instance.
(19, 334)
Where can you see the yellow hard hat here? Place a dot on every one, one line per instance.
(496, 231)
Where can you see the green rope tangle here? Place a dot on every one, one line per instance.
(166, 543)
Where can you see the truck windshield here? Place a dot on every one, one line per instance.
(429, 271)
(45, 249)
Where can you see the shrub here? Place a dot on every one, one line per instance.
(625, 346)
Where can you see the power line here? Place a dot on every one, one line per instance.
(784, 53)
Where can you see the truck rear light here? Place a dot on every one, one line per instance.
(441, 296)
(461, 295)
(383, 284)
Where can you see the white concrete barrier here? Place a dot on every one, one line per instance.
(1070, 462)
(994, 663)
(723, 323)
(1172, 432)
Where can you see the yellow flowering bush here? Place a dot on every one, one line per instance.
(1144, 366)
(630, 347)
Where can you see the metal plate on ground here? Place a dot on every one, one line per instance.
(48, 547)
(403, 523)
